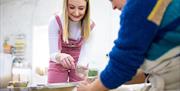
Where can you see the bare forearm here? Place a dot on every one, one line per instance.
(138, 78)
(94, 86)
(98, 86)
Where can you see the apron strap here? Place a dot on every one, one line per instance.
(60, 32)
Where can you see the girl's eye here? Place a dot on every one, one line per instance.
(72, 7)
(81, 8)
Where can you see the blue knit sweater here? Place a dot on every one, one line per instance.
(134, 40)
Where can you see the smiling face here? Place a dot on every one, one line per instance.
(118, 4)
(76, 9)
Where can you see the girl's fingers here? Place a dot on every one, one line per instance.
(71, 58)
(68, 62)
(71, 62)
(84, 68)
(64, 63)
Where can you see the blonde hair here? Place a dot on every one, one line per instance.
(85, 31)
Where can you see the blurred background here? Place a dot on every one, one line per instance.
(24, 48)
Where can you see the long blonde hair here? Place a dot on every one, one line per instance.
(85, 31)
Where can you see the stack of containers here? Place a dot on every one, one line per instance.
(20, 46)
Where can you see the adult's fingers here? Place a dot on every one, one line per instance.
(82, 86)
(84, 82)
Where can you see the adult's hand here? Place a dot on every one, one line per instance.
(83, 86)
(94, 86)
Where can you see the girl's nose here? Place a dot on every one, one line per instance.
(77, 13)
(113, 6)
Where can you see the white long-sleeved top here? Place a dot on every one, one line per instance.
(53, 29)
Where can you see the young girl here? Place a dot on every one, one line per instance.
(67, 33)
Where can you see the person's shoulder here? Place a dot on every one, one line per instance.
(138, 8)
(54, 16)
(92, 21)
(55, 21)
(92, 24)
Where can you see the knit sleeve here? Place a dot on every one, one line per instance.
(134, 38)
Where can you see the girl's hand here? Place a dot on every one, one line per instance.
(82, 71)
(66, 60)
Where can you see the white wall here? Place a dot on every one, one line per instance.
(103, 35)
(16, 17)
(20, 16)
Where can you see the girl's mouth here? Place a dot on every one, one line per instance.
(76, 16)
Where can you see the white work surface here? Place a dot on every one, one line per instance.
(134, 87)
